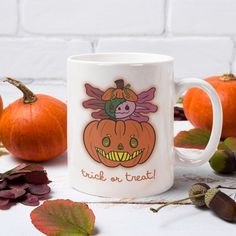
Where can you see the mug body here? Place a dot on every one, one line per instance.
(120, 124)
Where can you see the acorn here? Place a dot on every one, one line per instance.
(221, 204)
(202, 195)
(196, 195)
(223, 162)
(198, 189)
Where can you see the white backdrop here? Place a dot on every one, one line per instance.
(36, 36)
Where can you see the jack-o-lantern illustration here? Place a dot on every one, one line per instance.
(121, 134)
(114, 143)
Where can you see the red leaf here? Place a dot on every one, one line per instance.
(14, 176)
(37, 177)
(30, 200)
(12, 193)
(5, 204)
(3, 184)
(24, 168)
(18, 185)
(63, 217)
(194, 138)
(39, 189)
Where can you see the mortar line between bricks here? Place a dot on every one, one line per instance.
(93, 45)
(18, 17)
(166, 17)
(21, 32)
(151, 37)
(41, 81)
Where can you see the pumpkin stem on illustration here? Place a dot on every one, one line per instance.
(29, 96)
(227, 77)
(120, 83)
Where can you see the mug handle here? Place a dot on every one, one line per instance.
(199, 159)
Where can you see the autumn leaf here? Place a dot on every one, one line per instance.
(194, 138)
(63, 217)
(26, 184)
(198, 138)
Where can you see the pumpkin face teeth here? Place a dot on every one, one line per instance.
(118, 155)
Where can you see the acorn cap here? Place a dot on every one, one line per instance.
(198, 188)
(210, 194)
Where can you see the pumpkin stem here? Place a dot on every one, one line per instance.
(28, 97)
(120, 83)
(227, 77)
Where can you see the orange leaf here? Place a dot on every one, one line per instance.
(63, 217)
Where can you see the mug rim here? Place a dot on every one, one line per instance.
(121, 58)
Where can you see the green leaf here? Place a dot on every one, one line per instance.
(194, 138)
(63, 217)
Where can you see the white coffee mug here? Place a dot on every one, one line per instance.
(120, 123)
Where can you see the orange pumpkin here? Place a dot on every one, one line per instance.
(114, 143)
(34, 128)
(198, 108)
(120, 92)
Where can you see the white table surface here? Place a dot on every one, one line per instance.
(116, 217)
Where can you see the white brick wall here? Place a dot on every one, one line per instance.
(196, 57)
(8, 17)
(38, 58)
(202, 17)
(93, 16)
(36, 36)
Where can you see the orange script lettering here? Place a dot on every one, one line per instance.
(99, 176)
(148, 176)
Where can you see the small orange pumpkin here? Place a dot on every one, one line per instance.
(34, 128)
(114, 143)
(198, 108)
(121, 91)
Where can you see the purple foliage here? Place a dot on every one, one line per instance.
(27, 184)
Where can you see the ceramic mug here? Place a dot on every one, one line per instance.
(120, 123)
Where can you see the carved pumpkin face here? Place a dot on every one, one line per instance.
(114, 143)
